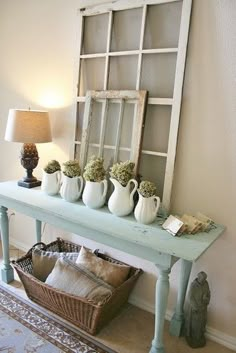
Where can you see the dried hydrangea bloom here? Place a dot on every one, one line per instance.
(122, 172)
(52, 167)
(147, 188)
(72, 168)
(94, 169)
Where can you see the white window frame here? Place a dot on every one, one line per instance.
(175, 101)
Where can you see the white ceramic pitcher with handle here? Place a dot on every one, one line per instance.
(51, 182)
(121, 202)
(94, 195)
(71, 188)
(146, 209)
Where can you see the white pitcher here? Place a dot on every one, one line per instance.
(121, 202)
(146, 209)
(71, 188)
(51, 182)
(94, 195)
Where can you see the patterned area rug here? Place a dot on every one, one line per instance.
(24, 327)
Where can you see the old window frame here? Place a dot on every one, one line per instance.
(174, 102)
(138, 98)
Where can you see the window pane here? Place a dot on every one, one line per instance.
(156, 130)
(123, 156)
(112, 124)
(162, 25)
(108, 159)
(123, 70)
(153, 168)
(158, 74)
(92, 151)
(126, 127)
(79, 121)
(126, 30)
(91, 75)
(95, 34)
(95, 127)
(77, 152)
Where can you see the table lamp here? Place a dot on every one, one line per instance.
(28, 127)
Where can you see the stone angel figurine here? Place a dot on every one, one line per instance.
(196, 313)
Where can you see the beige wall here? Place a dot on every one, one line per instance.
(37, 65)
(206, 159)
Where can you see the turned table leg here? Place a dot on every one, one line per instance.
(6, 271)
(177, 321)
(38, 230)
(162, 291)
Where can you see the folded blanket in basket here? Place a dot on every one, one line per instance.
(75, 279)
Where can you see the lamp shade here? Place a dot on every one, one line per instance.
(28, 126)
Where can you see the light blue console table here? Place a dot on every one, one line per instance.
(150, 242)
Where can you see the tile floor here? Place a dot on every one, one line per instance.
(132, 330)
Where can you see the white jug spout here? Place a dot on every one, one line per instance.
(115, 182)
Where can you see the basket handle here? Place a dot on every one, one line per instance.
(42, 246)
(39, 244)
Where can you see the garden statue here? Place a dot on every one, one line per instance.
(196, 314)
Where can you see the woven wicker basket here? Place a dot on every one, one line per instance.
(85, 314)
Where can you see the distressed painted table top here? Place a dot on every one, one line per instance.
(123, 233)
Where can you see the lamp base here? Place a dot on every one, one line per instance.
(29, 160)
(29, 184)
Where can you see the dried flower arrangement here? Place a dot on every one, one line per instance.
(72, 168)
(122, 172)
(52, 167)
(94, 170)
(147, 188)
